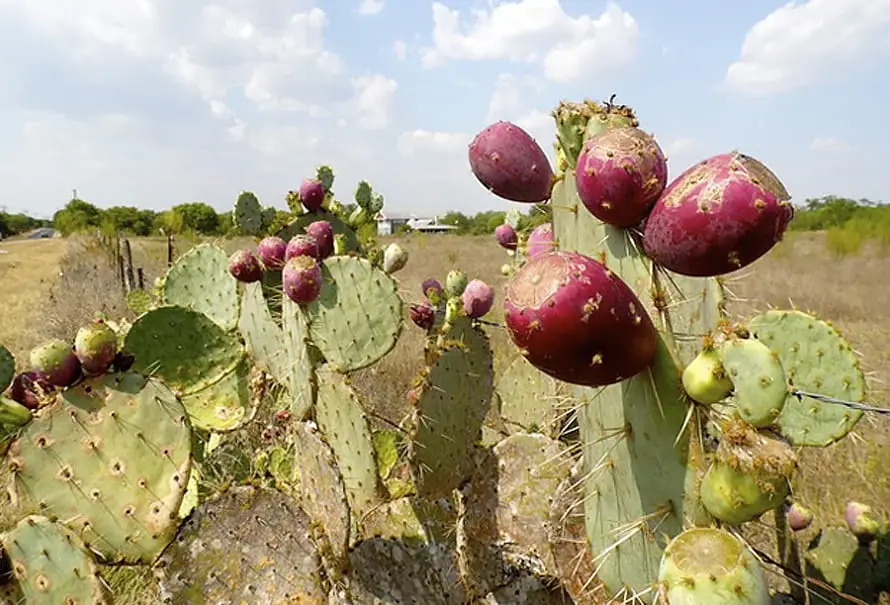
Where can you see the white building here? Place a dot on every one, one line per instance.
(388, 225)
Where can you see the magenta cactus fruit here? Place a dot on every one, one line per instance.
(511, 164)
(96, 347)
(798, 517)
(323, 234)
(540, 241)
(621, 173)
(861, 520)
(506, 236)
(423, 315)
(577, 321)
(301, 245)
(432, 289)
(302, 279)
(719, 216)
(57, 363)
(271, 251)
(245, 266)
(478, 298)
(312, 194)
(30, 389)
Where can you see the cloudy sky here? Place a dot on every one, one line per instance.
(156, 102)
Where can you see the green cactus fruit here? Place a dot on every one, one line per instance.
(759, 385)
(56, 360)
(248, 214)
(749, 475)
(12, 413)
(184, 348)
(358, 316)
(607, 116)
(322, 494)
(452, 403)
(224, 405)
(244, 545)
(529, 400)
(341, 418)
(705, 379)
(843, 568)
(709, 566)
(394, 258)
(140, 301)
(200, 280)
(816, 358)
(7, 368)
(52, 565)
(111, 458)
(455, 283)
(95, 346)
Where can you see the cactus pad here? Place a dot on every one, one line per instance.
(246, 545)
(200, 280)
(837, 558)
(300, 379)
(447, 418)
(816, 359)
(7, 368)
(224, 405)
(758, 380)
(111, 457)
(529, 399)
(184, 348)
(248, 214)
(52, 565)
(341, 418)
(357, 318)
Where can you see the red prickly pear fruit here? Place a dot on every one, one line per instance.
(245, 266)
(302, 279)
(423, 315)
(799, 517)
(30, 389)
(718, 216)
(301, 245)
(96, 347)
(506, 236)
(312, 194)
(511, 164)
(577, 321)
(478, 297)
(123, 361)
(432, 289)
(621, 173)
(57, 363)
(540, 241)
(271, 251)
(283, 416)
(323, 234)
(860, 520)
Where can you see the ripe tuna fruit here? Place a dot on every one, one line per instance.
(301, 245)
(30, 389)
(478, 297)
(720, 215)
(423, 315)
(302, 279)
(511, 164)
(620, 174)
(271, 251)
(540, 241)
(323, 234)
(312, 194)
(506, 236)
(96, 347)
(245, 266)
(578, 322)
(57, 363)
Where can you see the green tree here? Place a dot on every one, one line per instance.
(77, 215)
(199, 217)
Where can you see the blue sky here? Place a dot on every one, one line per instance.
(157, 102)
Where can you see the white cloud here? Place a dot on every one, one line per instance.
(570, 49)
(418, 142)
(373, 100)
(400, 48)
(830, 145)
(371, 7)
(801, 44)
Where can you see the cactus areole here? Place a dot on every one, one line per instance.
(718, 216)
(511, 164)
(577, 321)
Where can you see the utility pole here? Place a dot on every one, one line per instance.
(74, 194)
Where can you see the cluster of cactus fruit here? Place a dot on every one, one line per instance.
(614, 459)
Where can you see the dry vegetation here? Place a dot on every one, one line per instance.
(848, 288)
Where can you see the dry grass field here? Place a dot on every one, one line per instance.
(39, 301)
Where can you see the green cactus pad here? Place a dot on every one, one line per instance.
(248, 214)
(758, 380)
(709, 566)
(357, 318)
(816, 359)
(184, 348)
(837, 558)
(527, 588)
(200, 280)
(140, 301)
(447, 418)
(300, 380)
(322, 495)
(111, 458)
(341, 418)
(52, 565)
(529, 400)
(7, 368)
(224, 405)
(246, 545)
